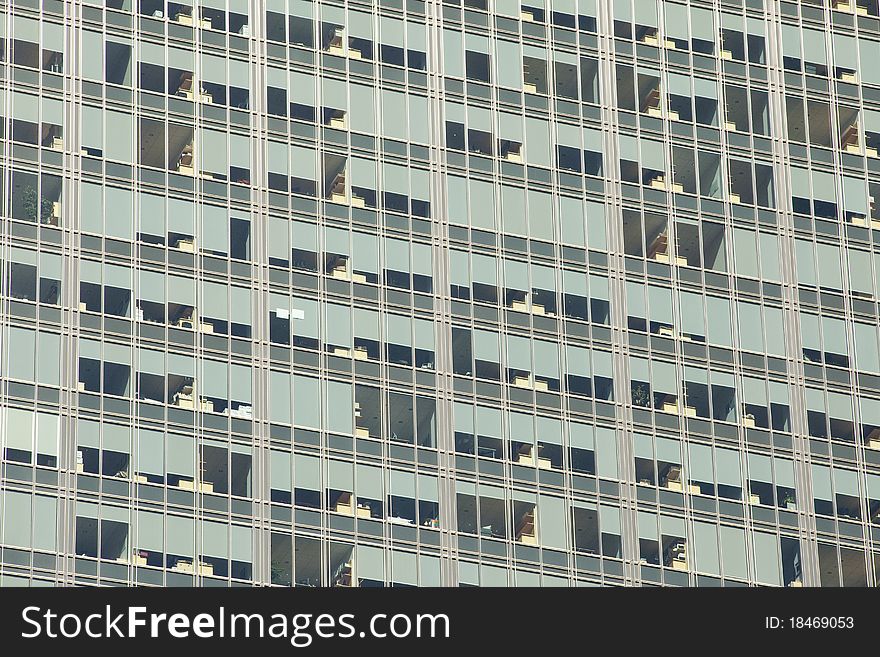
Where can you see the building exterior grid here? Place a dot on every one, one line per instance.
(501, 293)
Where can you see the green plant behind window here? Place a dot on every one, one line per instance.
(29, 200)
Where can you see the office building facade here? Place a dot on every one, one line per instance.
(472, 292)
